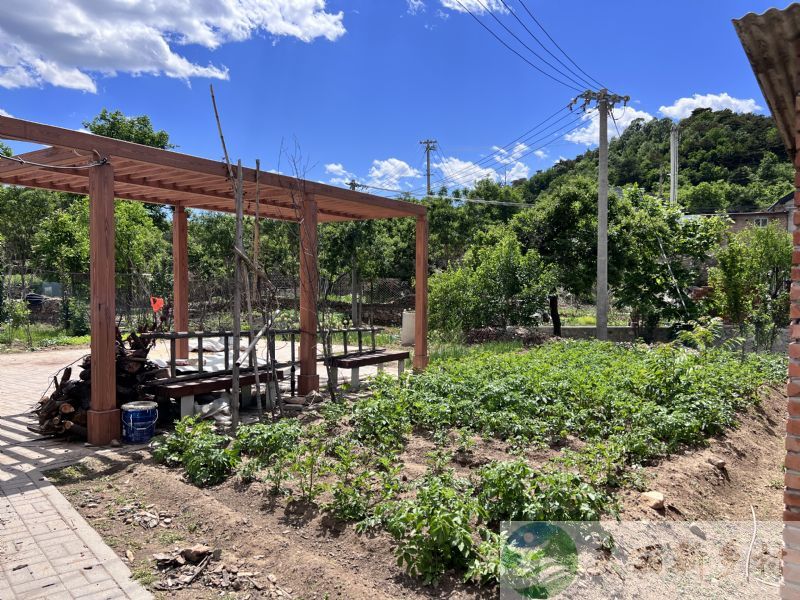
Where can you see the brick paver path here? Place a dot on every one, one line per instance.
(47, 550)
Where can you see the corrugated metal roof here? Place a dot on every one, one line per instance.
(769, 42)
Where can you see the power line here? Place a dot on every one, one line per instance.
(487, 160)
(559, 132)
(499, 39)
(535, 20)
(528, 48)
(519, 139)
(580, 80)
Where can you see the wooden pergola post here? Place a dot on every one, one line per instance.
(308, 379)
(180, 278)
(103, 421)
(421, 296)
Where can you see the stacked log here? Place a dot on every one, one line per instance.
(64, 411)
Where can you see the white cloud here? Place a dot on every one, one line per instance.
(506, 157)
(464, 173)
(388, 173)
(341, 175)
(518, 171)
(66, 43)
(4, 113)
(540, 154)
(415, 6)
(475, 6)
(590, 134)
(683, 107)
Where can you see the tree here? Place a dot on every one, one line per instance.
(22, 211)
(750, 281)
(562, 229)
(139, 130)
(62, 239)
(496, 285)
(662, 256)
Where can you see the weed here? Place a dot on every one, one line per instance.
(144, 574)
(169, 537)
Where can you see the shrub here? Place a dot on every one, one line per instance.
(496, 285)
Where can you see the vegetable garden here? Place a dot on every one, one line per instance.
(549, 433)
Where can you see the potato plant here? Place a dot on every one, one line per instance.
(620, 405)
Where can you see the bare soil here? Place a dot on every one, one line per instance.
(694, 489)
(301, 552)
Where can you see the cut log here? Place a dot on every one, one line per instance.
(65, 410)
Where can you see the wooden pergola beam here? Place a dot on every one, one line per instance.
(18, 129)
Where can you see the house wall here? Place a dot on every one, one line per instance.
(744, 220)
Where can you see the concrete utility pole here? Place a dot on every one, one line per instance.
(429, 145)
(602, 221)
(674, 138)
(605, 102)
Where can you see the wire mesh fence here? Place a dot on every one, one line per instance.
(62, 299)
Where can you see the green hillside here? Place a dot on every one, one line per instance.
(728, 161)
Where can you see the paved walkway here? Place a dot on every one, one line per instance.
(47, 550)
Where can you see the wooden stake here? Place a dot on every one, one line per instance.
(256, 230)
(237, 298)
(250, 324)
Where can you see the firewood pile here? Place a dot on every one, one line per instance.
(64, 411)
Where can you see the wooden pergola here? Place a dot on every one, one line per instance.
(105, 169)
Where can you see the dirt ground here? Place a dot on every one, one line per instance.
(302, 553)
(694, 489)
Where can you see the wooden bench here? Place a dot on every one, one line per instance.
(364, 359)
(185, 388)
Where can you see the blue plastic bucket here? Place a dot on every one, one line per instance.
(139, 421)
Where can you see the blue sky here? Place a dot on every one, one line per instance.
(356, 84)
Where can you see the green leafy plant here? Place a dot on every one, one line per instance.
(433, 531)
(265, 440)
(203, 453)
(308, 464)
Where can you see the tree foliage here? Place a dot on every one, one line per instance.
(497, 284)
(750, 281)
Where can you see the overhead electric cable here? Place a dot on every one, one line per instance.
(530, 138)
(483, 163)
(499, 39)
(569, 58)
(582, 79)
(567, 76)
